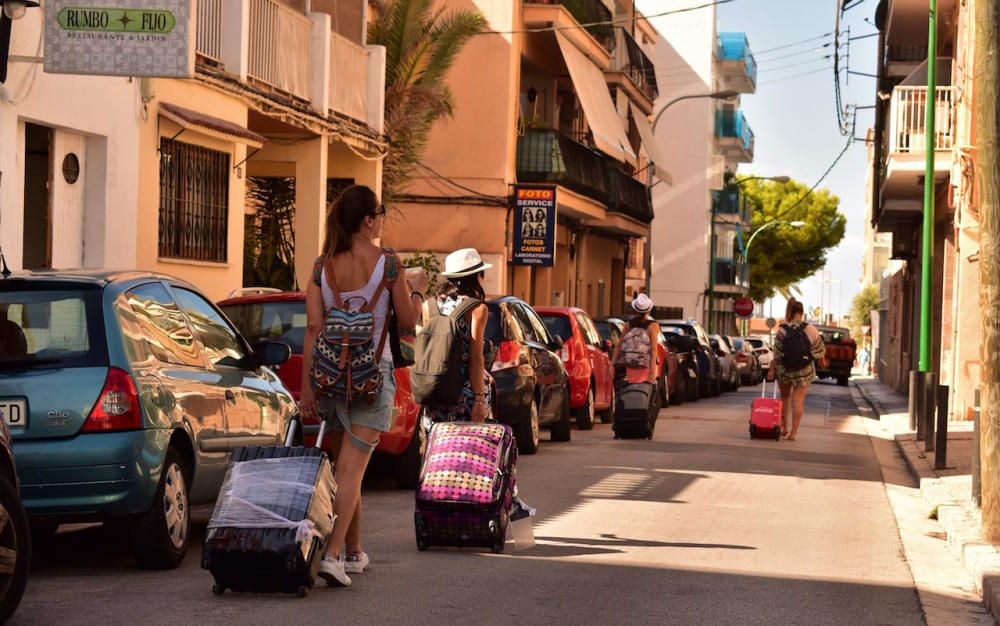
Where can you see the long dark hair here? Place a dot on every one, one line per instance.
(794, 308)
(345, 216)
(467, 286)
(638, 320)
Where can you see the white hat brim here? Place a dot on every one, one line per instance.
(469, 272)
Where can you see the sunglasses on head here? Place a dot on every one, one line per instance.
(379, 211)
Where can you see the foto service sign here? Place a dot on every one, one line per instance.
(120, 37)
(534, 226)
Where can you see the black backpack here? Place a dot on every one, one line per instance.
(436, 376)
(796, 348)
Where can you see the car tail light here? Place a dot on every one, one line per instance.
(742, 358)
(117, 407)
(507, 356)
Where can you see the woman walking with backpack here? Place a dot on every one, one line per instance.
(797, 344)
(636, 351)
(348, 373)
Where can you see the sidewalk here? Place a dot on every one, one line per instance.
(947, 492)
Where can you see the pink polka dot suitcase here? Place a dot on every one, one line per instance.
(466, 486)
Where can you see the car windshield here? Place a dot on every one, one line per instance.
(604, 329)
(270, 321)
(51, 326)
(684, 328)
(558, 325)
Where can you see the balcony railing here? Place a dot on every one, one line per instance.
(730, 123)
(547, 156)
(348, 70)
(630, 59)
(730, 272)
(589, 12)
(209, 29)
(280, 42)
(734, 47)
(730, 202)
(629, 196)
(907, 121)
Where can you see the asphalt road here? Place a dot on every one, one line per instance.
(699, 526)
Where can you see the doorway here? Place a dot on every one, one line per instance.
(37, 242)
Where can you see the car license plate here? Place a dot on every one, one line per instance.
(14, 412)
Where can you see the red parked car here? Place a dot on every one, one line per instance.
(272, 315)
(588, 363)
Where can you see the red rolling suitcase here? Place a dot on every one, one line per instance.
(765, 415)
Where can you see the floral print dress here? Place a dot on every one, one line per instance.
(463, 410)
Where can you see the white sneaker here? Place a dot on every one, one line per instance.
(356, 562)
(332, 571)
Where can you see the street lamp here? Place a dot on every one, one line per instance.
(777, 179)
(12, 10)
(717, 95)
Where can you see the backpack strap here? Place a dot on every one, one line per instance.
(433, 310)
(331, 282)
(465, 307)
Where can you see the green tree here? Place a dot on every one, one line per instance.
(864, 302)
(782, 255)
(422, 40)
(269, 236)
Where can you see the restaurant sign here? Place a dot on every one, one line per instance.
(120, 37)
(534, 226)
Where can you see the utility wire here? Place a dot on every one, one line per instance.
(850, 142)
(784, 67)
(455, 184)
(618, 22)
(778, 80)
(794, 54)
(794, 43)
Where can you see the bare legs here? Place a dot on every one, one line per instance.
(798, 408)
(350, 470)
(353, 537)
(786, 393)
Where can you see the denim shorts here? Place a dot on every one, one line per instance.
(377, 415)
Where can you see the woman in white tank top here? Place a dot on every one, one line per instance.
(365, 277)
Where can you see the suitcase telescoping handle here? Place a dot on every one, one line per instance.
(296, 422)
(774, 389)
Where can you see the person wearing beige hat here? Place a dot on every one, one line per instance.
(639, 343)
(464, 270)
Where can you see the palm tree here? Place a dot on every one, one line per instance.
(422, 43)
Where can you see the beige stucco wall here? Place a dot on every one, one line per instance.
(216, 280)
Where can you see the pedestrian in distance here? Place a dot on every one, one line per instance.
(797, 346)
(636, 352)
(354, 288)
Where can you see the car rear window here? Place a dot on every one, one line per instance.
(756, 343)
(270, 321)
(558, 325)
(494, 330)
(738, 345)
(604, 329)
(684, 328)
(51, 326)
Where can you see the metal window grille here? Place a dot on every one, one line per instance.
(194, 202)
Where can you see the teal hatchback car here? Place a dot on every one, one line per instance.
(125, 393)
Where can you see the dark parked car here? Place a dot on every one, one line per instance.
(155, 388)
(709, 369)
(531, 381)
(15, 534)
(685, 349)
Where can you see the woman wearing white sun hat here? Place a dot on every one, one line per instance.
(464, 270)
(633, 347)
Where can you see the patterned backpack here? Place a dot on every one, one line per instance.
(345, 358)
(635, 349)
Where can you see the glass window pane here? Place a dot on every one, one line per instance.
(164, 329)
(219, 339)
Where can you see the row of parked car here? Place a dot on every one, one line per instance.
(124, 393)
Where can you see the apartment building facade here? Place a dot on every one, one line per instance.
(898, 162)
(543, 101)
(698, 261)
(151, 173)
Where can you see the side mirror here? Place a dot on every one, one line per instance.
(272, 353)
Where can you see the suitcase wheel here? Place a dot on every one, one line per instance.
(753, 431)
(777, 434)
(497, 547)
(422, 545)
(302, 591)
(218, 589)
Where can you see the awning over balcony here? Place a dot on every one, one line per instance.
(649, 142)
(212, 126)
(605, 123)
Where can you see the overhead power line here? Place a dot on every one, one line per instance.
(847, 146)
(618, 22)
(784, 67)
(783, 78)
(794, 43)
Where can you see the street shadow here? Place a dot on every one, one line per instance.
(610, 540)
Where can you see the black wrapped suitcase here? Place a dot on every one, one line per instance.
(272, 520)
(636, 409)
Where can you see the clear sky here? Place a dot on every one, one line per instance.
(795, 119)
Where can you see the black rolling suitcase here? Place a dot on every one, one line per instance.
(273, 518)
(636, 409)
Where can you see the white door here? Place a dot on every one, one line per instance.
(68, 179)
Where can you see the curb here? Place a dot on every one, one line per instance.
(957, 518)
